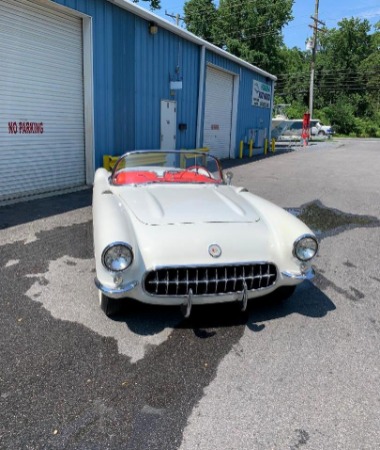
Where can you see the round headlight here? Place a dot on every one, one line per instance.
(117, 257)
(305, 248)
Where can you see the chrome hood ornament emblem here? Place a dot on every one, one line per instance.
(214, 250)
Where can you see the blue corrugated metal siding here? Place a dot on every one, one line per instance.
(113, 75)
(132, 73)
(248, 116)
(221, 62)
(159, 59)
(123, 82)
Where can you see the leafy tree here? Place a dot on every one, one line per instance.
(248, 29)
(347, 78)
(200, 17)
(293, 84)
(347, 71)
(370, 71)
(154, 4)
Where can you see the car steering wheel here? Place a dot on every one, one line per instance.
(201, 170)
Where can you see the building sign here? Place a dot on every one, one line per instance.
(25, 127)
(261, 94)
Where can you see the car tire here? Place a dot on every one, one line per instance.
(321, 133)
(108, 305)
(283, 293)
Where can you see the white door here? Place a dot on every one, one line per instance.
(42, 144)
(168, 124)
(217, 129)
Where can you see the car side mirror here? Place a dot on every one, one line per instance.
(228, 177)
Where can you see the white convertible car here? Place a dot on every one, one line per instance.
(170, 229)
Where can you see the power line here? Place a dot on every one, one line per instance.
(332, 71)
(203, 12)
(177, 17)
(248, 32)
(348, 90)
(206, 11)
(358, 76)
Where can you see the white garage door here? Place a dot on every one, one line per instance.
(41, 100)
(218, 112)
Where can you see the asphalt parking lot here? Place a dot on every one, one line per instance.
(301, 375)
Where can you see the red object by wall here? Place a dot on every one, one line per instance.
(306, 126)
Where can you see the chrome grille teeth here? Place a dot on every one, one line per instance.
(206, 280)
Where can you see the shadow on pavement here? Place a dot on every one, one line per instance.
(280, 150)
(28, 211)
(145, 320)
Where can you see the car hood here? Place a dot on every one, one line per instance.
(186, 204)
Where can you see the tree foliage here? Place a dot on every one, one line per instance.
(249, 29)
(200, 18)
(347, 69)
(154, 4)
(347, 78)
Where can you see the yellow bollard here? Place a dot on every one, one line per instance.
(265, 146)
(273, 145)
(250, 148)
(241, 149)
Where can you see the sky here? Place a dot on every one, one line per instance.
(298, 30)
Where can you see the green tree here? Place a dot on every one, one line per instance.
(370, 71)
(347, 76)
(339, 61)
(200, 17)
(154, 4)
(248, 29)
(293, 84)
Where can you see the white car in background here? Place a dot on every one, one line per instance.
(293, 129)
(318, 129)
(170, 229)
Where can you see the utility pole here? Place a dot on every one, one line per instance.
(177, 17)
(313, 55)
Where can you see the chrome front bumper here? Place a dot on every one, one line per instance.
(119, 292)
(301, 276)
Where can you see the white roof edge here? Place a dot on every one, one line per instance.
(143, 13)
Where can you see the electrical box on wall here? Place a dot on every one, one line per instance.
(175, 85)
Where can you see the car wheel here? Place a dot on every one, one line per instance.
(321, 133)
(108, 305)
(283, 293)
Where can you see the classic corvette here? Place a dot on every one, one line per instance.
(171, 229)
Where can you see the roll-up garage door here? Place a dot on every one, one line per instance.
(41, 100)
(218, 112)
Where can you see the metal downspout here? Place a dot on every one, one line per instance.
(200, 95)
(271, 111)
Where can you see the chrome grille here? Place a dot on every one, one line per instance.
(208, 280)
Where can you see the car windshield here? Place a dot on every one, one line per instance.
(160, 166)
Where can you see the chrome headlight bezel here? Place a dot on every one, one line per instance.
(128, 257)
(297, 247)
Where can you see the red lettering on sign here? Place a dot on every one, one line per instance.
(26, 127)
(12, 128)
(215, 127)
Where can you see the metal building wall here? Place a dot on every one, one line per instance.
(249, 116)
(113, 77)
(159, 59)
(132, 72)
